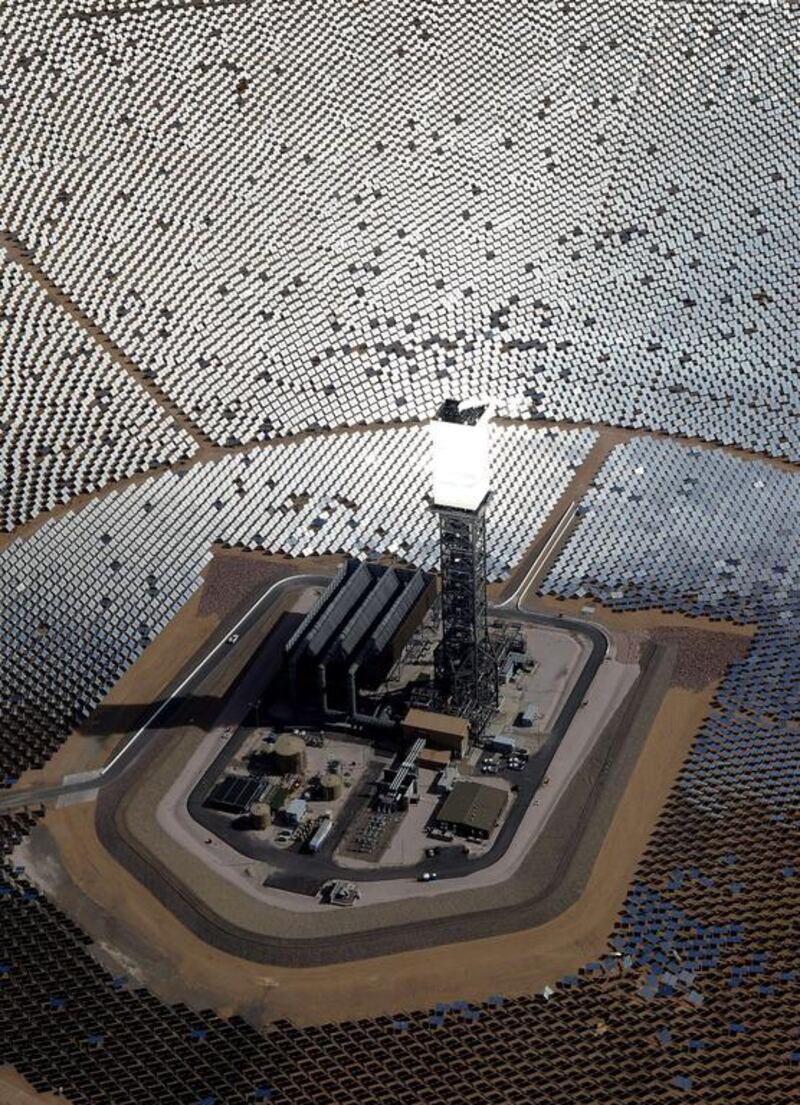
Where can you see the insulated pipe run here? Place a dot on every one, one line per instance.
(352, 714)
(352, 697)
(361, 719)
(322, 678)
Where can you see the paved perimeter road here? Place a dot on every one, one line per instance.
(304, 874)
(181, 688)
(555, 869)
(551, 876)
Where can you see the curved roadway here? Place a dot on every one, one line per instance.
(180, 688)
(553, 872)
(306, 873)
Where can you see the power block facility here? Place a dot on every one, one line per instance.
(352, 637)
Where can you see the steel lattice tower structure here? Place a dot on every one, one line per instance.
(466, 667)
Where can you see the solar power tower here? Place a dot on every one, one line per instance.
(466, 667)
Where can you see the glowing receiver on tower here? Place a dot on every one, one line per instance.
(460, 434)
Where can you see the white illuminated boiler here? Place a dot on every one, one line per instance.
(460, 435)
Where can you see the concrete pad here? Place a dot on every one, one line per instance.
(610, 686)
(77, 798)
(81, 777)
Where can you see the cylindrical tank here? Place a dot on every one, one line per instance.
(330, 785)
(261, 815)
(289, 754)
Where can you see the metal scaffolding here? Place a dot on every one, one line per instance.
(466, 666)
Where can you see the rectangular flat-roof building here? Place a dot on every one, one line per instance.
(472, 809)
(295, 811)
(436, 758)
(438, 730)
(236, 793)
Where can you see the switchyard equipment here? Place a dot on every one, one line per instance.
(465, 661)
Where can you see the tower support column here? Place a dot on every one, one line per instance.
(466, 667)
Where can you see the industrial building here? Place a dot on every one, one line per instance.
(440, 731)
(472, 809)
(294, 811)
(434, 758)
(236, 793)
(353, 635)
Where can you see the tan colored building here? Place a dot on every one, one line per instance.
(436, 758)
(438, 730)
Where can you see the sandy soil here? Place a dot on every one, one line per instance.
(14, 1090)
(650, 622)
(235, 577)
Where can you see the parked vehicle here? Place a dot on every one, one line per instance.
(321, 834)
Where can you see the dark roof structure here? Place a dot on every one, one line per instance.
(324, 599)
(394, 617)
(474, 806)
(371, 609)
(358, 614)
(236, 793)
(453, 411)
(338, 612)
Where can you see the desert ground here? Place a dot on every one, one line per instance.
(14, 1090)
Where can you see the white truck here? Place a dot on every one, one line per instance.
(321, 833)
